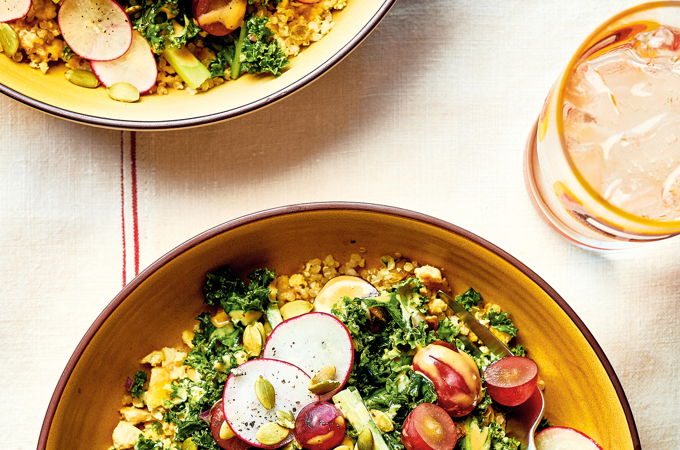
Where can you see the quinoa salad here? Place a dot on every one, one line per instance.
(135, 47)
(339, 355)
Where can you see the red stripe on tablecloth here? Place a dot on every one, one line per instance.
(135, 219)
(122, 203)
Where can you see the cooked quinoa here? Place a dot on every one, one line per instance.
(145, 408)
(293, 25)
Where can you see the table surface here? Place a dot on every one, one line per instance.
(430, 113)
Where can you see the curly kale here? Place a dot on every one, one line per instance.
(223, 288)
(256, 50)
(137, 386)
(144, 443)
(212, 356)
(502, 322)
(469, 299)
(160, 20)
(519, 350)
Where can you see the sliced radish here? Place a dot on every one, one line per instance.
(564, 438)
(98, 30)
(343, 286)
(244, 412)
(312, 342)
(14, 9)
(137, 66)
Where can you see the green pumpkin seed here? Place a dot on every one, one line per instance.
(188, 444)
(9, 41)
(286, 419)
(271, 434)
(324, 387)
(264, 391)
(365, 440)
(325, 374)
(123, 92)
(82, 78)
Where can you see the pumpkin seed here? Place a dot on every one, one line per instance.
(365, 440)
(82, 78)
(260, 328)
(323, 387)
(325, 374)
(286, 419)
(295, 308)
(271, 433)
(123, 92)
(9, 41)
(226, 432)
(253, 339)
(382, 420)
(264, 391)
(188, 444)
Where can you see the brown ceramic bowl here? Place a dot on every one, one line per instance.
(53, 94)
(582, 388)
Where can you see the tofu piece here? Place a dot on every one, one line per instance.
(135, 415)
(125, 435)
(430, 276)
(159, 387)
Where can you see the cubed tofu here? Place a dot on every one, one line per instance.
(125, 435)
(159, 387)
(430, 276)
(135, 415)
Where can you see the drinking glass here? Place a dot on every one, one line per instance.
(568, 197)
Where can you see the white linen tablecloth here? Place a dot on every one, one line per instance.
(430, 113)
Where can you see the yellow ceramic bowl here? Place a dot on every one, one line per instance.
(53, 94)
(582, 390)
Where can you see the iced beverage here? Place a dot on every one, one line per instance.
(604, 164)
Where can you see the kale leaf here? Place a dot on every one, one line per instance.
(519, 350)
(502, 322)
(501, 441)
(447, 330)
(137, 386)
(160, 20)
(224, 288)
(260, 52)
(212, 356)
(469, 298)
(144, 443)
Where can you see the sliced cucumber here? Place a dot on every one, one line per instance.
(353, 408)
(187, 66)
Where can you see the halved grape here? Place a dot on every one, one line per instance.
(320, 426)
(429, 427)
(511, 381)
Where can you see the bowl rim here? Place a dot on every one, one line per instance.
(332, 206)
(174, 124)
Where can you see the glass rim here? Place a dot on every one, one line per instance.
(585, 45)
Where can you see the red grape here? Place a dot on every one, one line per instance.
(320, 426)
(511, 381)
(429, 427)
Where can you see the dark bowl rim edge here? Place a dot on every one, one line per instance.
(324, 206)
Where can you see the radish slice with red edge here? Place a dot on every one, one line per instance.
(98, 30)
(313, 341)
(216, 421)
(512, 380)
(564, 438)
(136, 67)
(14, 9)
(244, 412)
